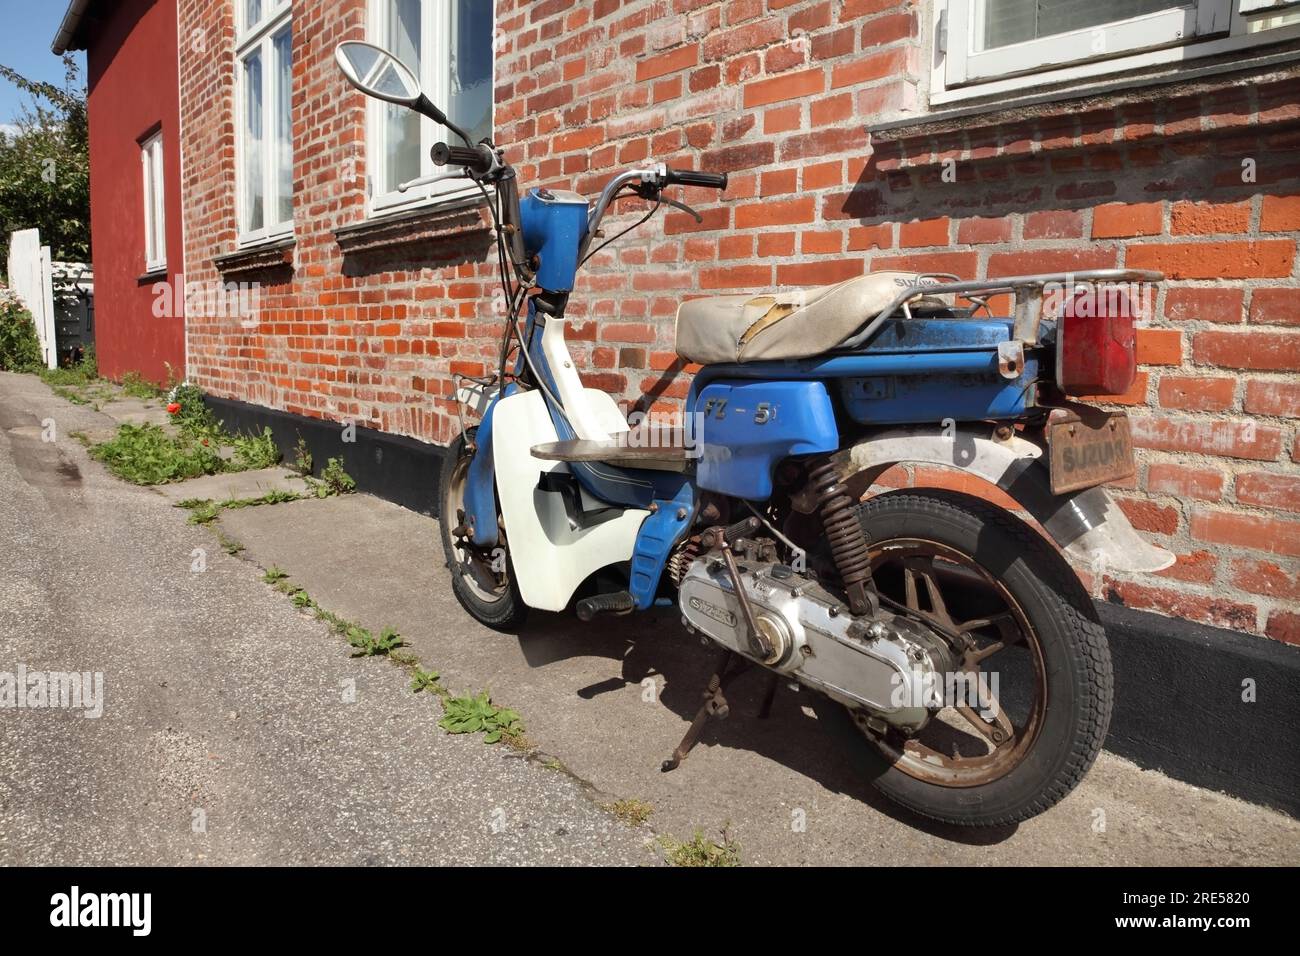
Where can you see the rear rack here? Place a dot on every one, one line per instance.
(1028, 292)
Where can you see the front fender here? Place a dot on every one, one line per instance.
(1087, 525)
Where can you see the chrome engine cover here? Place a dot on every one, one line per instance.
(884, 665)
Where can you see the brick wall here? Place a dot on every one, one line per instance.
(778, 93)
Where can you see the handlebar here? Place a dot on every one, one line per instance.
(692, 177)
(478, 159)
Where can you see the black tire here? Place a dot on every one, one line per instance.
(506, 610)
(1070, 639)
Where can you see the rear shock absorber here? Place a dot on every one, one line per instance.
(847, 540)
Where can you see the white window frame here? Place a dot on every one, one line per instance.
(1197, 28)
(383, 198)
(259, 38)
(154, 196)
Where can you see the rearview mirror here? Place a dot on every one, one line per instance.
(376, 72)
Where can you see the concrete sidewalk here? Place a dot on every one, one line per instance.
(609, 700)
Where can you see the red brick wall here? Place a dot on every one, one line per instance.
(778, 93)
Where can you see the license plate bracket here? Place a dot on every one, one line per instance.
(1091, 451)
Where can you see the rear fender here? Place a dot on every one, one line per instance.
(1087, 524)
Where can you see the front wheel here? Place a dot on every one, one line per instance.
(1027, 639)
(483, 579)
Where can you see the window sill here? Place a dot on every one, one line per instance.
(429, 223)
(276, 254)
(1212, 98)
(156, 274)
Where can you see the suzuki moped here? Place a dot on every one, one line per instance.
(945, 637)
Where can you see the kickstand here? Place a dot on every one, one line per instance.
(714, 705)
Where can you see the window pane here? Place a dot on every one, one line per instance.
(160, 211)
(401, 125)
(252, 12)
(254, 191)
(1014, 21)
(284, 128)
(470, 89)
(146, 167)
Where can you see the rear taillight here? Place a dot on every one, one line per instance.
(1095, 343)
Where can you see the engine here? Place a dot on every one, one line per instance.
(886, 664)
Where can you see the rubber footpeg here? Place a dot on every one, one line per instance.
(618, 602)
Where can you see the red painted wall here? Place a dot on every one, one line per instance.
(133, 89)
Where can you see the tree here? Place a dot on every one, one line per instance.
(45, 166)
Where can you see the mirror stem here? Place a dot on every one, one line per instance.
(425, 107)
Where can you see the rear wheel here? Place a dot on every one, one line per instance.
(483, 579)
(1024, 716)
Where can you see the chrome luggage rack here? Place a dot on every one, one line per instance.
(1028, 292)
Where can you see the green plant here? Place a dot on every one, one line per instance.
(204, 512)
(256, 451)
(193, 417)
(45, 165)
(20, 348)
(368, 645)
(136, 386)
(302, 458)
(335, 479)
(632, 812)
(469, 715)
(424, 680)
(301, 599)
(146, 455)
(274, 574)
(701, 851)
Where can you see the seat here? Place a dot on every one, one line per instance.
(794, 324)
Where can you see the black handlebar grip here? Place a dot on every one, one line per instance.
(693, 177)
(476, 158)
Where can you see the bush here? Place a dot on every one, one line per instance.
(20, 349)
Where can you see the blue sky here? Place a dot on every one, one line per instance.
(27, 28)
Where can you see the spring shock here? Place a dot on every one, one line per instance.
(847, 540)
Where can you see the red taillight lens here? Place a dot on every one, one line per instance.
(1095, 343)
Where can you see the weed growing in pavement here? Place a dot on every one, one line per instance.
(274, 574)
(146, 455)
(632, 812)
(469, 715)
(701, 851)
(137, 387)
(367, 644)
(424, 680)
(256, 451)
(302, 458)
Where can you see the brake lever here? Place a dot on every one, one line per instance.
(654, 193)
(683, 207)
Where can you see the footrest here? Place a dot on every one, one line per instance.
(621, 453)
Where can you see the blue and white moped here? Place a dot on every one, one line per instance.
(947, 638)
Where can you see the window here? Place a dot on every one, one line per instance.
(264, 144)
(995, 46)
(155, 235)
(448, 45)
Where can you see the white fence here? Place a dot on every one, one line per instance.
(31, 278)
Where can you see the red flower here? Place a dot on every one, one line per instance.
(173, 408)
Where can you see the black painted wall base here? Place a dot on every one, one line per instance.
(393, 467)
(1178, 686)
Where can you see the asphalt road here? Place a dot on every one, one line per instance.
(227, 733)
